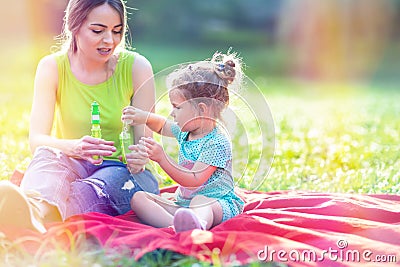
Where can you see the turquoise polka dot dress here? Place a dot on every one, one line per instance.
(212, 149)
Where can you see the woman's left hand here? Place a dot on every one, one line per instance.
(89, 147)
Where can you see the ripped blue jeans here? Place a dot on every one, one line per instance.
(76, 186)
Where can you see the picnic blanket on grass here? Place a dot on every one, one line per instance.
(293, 227)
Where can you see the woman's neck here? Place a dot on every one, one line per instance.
(84, 64)
(90, 71)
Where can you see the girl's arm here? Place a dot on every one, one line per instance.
(195, 177)
(156, 123)
(42, 114)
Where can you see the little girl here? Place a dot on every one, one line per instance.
(205, 196)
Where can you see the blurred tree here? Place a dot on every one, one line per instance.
(45, 16)
(45, 19)
(204, 21)
(335, 39)
(320, 39)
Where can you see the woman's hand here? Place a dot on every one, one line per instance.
(137, 158)
(134, 116)
(154, 150)
(87, 147)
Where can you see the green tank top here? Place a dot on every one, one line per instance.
(74, 99)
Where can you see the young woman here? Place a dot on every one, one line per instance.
(198, 94)
(66, 178)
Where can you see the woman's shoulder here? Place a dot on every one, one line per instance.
(141, 66)
(54, 59)
(48, 60)
(138, 62)
(48, 65)
(134, 56)
(141, 61)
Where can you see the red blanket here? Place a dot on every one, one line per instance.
(296, 228)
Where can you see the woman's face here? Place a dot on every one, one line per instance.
(100, 33)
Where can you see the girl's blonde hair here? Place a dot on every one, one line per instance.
(208, 81)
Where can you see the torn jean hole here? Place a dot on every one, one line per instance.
(97, 185)
(128, 185)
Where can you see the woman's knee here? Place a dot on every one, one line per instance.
(44, 152)
(47, 159)
(49, 169)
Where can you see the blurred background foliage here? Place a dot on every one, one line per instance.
(328, 40)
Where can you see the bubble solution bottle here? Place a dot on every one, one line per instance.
(125, 140)
(96, 130)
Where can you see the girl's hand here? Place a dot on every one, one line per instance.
(137, 158)
(134, 116)
(87, 147)
(154, 149)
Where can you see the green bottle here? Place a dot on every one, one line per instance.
(125, 141)
(96, 130)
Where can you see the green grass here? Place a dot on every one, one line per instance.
(346, 141)
(327, 138)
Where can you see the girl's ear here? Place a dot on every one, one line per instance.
(203, 108)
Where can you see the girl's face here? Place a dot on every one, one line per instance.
(184, 112)
(100, 33)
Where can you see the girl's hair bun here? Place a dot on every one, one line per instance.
(230, 63)
(226, 67)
